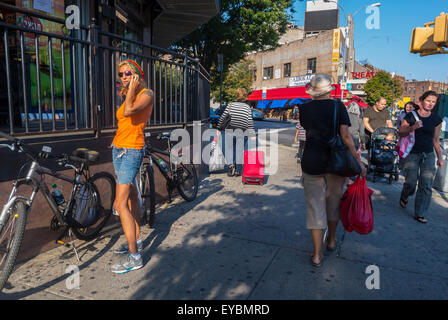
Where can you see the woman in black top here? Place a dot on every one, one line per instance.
(419, 164)
(323, 190)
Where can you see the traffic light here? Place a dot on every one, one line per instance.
(423, 40)
(432, 38)
(441, 29)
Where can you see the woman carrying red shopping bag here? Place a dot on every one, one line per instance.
(323, 189)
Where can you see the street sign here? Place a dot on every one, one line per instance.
(300, 81)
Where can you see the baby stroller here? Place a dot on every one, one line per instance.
(383, 155)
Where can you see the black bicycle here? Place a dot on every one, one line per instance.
(178, 175)
(85, 213)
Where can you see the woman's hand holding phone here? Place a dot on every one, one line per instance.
(133, 83)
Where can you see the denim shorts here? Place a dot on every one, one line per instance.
(127, 162)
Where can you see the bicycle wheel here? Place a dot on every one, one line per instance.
(187, 181)
(148, 194)
(11, 236)
(104, 184)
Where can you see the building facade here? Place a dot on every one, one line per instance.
(298, 57)
(414, 89)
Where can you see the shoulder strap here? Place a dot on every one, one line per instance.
(417, 118)
(336, 118)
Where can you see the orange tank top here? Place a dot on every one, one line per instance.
(130, 129)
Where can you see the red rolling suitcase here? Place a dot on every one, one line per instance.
(253, 167)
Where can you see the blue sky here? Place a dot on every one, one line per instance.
(388, 47)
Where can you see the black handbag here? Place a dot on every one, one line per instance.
(342, 162)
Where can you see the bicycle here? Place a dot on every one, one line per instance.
(178, 175)
(85, 213)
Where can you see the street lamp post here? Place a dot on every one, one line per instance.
(350, 32)
(220, 67)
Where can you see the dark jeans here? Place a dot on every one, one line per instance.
(301, 149)
(233, 150)
(356, 142)
(419, 167)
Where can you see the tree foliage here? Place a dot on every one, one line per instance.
(383, 85)
(242, 26)
(239, 76)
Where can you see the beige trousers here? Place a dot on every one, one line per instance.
(323, 195)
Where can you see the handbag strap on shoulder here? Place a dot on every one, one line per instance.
(335, 119)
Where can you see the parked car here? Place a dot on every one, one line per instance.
(257, 114)
(215, 114)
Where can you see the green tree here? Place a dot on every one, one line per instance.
(239, 76)
(242, 26)
(383, 85)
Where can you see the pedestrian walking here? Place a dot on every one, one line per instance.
(296, 113)
(374, 118)
(420, 165)
(408, 107)
(237, 115)
(323, 190)
(357, 126)
(300, 138)
(127, 156)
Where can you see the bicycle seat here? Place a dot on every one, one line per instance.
(89, 155)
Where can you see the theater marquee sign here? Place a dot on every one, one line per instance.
(357, 86)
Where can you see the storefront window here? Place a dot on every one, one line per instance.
(49, 50)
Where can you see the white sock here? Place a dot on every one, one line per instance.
(136, 256)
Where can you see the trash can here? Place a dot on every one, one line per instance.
(441, 179)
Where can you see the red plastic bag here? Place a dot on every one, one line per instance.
(356, 207)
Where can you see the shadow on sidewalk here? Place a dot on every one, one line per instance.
(68, 255)
(230, 241)
(225, 248)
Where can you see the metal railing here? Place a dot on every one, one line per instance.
(68, 80)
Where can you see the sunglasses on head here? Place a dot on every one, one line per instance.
(127, 73)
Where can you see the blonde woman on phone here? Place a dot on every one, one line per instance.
(127, 155)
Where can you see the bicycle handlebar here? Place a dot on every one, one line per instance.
(7, 137)
(20, 144)
(62, 157)
(41, 155)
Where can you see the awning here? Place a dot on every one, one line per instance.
(263, 104)
(298, 101)
(292, 93)
(278, 103)
(358, 101)
(179, 18)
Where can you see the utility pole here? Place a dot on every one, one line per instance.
(220, 67)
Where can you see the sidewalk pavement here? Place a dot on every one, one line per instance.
(250, 242)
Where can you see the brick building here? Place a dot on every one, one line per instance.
(413, 89)
(299, 56)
